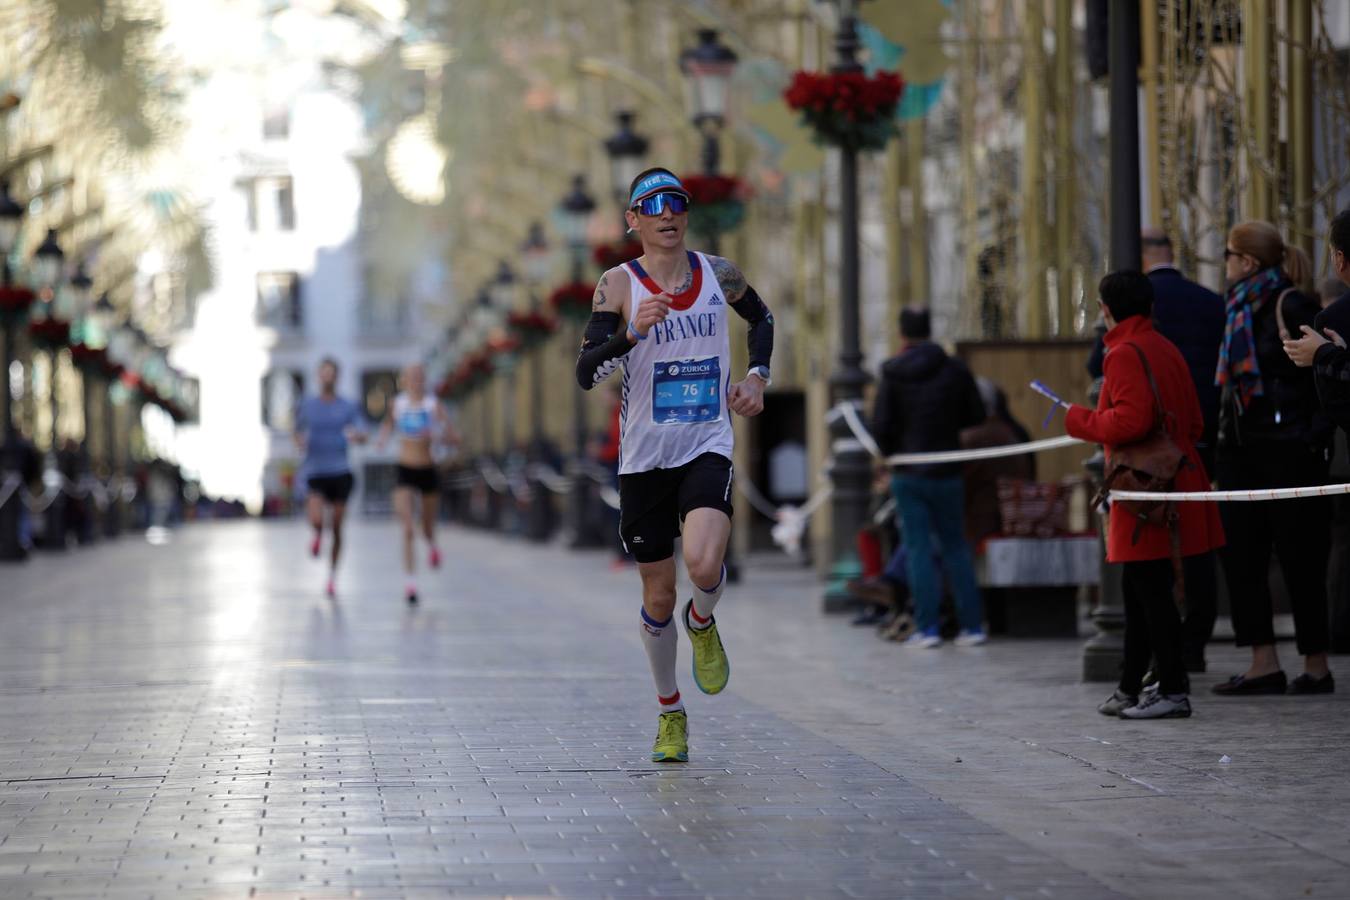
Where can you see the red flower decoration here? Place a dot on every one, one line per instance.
(572, 300)
(15, 298)
(847, 109)
(609, 256)
(708, 189)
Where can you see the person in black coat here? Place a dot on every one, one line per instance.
(924, 400)
(1272, 434)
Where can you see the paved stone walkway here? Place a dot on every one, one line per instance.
(195, 720)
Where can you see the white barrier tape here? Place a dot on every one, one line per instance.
(495, 478)
(8, 488)
(762, 504)
(40, 503)
(850, 414)
(610, 496)
(1298, 493)
(552, 480)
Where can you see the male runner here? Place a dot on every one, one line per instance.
(663, 318)
(323, 427)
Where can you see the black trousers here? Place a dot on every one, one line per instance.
(1298, 532)
(1152, 627)
(1202, 604)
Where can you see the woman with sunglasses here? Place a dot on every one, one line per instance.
(1271, 435)
(662, 318)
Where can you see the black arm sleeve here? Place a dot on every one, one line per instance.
(759, 340)
(604, 344)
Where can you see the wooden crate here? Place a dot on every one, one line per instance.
(1012, 365)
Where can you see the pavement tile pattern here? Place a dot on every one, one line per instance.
(196, 720)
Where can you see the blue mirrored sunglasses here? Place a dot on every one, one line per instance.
(659, 203)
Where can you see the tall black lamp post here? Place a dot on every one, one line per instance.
(707, 68)
(11, 310)
(850, 468)
(537, 259)
(48, 265)
(503, 291)
(574, 217)
(627, 152)
(1104, 651)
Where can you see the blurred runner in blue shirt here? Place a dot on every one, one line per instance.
(323, 428)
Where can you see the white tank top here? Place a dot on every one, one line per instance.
(675, 382)
(414, 420)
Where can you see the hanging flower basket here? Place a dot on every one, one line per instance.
(850, 110)
(49, 334)
(609, 256)
(573, 301)
(14, 301)
(89, 359)
(533, 328)
(718, 203)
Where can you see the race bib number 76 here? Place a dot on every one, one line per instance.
(686, 390)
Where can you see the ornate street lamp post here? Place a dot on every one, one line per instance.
(574, 220)
(537, 260)
(707, 69)
(627, 152)
(14, 302)
(503, 292)
(48, 265)
(1103, 652)
(850, 469)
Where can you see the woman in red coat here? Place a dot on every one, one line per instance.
(1126, 412)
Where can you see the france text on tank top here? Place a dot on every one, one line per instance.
(413, 420)
(675, 382)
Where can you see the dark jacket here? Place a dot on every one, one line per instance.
(1331, 366)
(1288, 410)
(923, 401)
(1192, 317)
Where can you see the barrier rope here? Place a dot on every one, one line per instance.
(850, 414)
(1257, 496)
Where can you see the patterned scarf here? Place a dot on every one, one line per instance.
(1237, 354)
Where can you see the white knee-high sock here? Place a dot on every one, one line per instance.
(704, 600)
(661, 640)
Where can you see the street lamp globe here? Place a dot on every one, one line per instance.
(47, 261)
(99, 323)
(536, 255)
(11, 219)
(627, 151)
(707, 68)
(575, 213)
(503, 288)
(82, 291)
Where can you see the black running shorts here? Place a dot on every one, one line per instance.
(333, 488)
(653, 504)
(420, 478)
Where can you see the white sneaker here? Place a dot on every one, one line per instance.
(923, 640)
(1159, 706)
(971, 638)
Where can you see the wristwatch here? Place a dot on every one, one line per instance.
(762, 372)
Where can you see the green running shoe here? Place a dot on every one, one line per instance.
(711, 669)
(672, 738)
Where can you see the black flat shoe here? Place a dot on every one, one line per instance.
(1306, 684)
(1238, 685)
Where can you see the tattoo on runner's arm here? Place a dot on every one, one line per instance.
(729, 278)
(600, 300)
